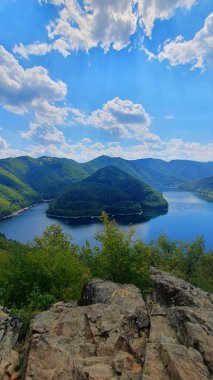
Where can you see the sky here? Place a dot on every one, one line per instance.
(127, 78)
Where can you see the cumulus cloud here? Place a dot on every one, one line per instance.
(30, 90)
(43, 134)
(7, 151)
(36, 48)
(92, 23)
(96, 23)
(83, 151)
(198, 52)
(151, 10)
(121, 118)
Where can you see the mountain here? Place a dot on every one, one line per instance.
(155, 172)
(109, 189)
(26, 180)
(15, 194)
(203, 186)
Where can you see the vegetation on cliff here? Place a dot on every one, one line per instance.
(110, 190)
(52, 268)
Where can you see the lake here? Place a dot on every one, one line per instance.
(188, 216)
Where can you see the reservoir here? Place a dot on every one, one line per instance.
(188, 217)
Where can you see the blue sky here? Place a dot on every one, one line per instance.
(130, 78)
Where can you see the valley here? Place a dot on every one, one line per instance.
(25, 181)
(187, 217)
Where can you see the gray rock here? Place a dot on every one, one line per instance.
(114, 335)
(172, 291)
(9, 332)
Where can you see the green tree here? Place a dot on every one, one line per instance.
(117, 257)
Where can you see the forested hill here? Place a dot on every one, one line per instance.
(204, 186)
(26, 180)
(108, 189)
(155, 172)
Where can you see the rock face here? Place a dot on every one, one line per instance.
(113, 334)
(104, 340)
(9, 333)
(191, 314)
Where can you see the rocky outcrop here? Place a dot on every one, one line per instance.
(104, 340)
(9, 332)
(114, 334)
(190, 313)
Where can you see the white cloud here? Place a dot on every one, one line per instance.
(167, 150)
(30, 90)
(86, 140)
(3, 143)
(42, 48)
(92, 23)
(36, 48)
(197, 52)
(7, 151)
(97, 23)
(121, 118)
(55, 2)
(151, 10)
(43, 134)
(169, 117)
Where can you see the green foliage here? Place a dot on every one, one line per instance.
(36, 275)
(119, 258)
(25, 181)
(53, 269)
(14, 194)
(203, 186)
(111, 190)
(155, 172)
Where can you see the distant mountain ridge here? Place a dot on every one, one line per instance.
(25, 180)
(111, 190)
(155, 172)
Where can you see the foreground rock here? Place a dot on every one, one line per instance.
(100, 341)
(190, 313)
(9, 333)
(115, 335)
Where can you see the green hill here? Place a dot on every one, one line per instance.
(15, 194)
(110, 190)
(203, 186)
(26, 180)
(155, 172)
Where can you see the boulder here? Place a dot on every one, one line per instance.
(113, 334)
(85, 342)
(9, 332)
(189, 311)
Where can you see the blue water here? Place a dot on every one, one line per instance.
(188, 217)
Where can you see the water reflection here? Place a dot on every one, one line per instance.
(121, 219)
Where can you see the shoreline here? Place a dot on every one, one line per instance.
(89, 216)
(204, 195)
(99, 216)
(16, 213)
(198, 193)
